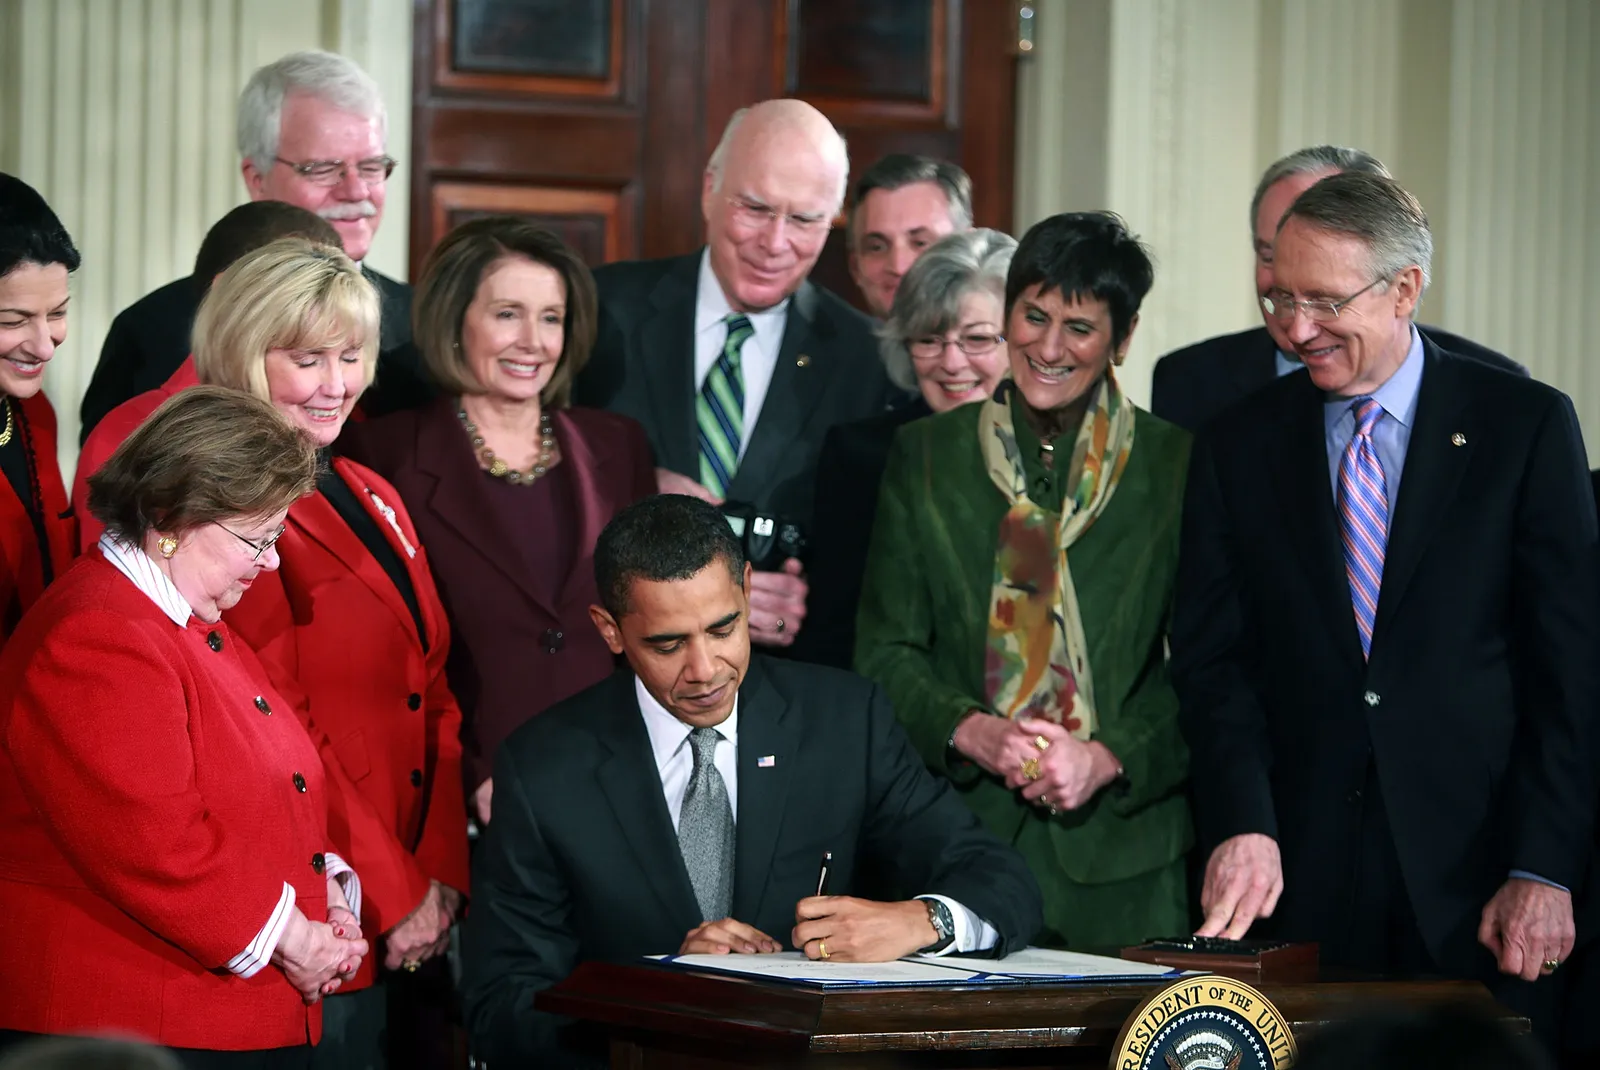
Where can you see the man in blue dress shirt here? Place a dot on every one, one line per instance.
(1385, 628)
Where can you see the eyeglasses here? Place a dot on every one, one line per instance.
(259, 547)
(332, 172)
(753, 215)
(1281, 306)
(932, 346)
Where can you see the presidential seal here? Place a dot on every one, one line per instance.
(1205, 1023)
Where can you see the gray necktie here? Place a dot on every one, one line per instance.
(705, 830)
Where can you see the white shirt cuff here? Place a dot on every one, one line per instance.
(337, 868)
(972, 932)
(258, 952)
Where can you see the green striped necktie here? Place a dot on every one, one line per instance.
(719, 410)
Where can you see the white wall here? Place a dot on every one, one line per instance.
(121, 113)
(1167, 111)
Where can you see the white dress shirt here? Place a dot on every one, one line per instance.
(757, 358)
(669, 742)
(135, 564)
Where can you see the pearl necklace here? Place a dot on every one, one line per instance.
(5, 436)
(497, 466)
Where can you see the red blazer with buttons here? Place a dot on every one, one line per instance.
(21, 566)
(516, 654)
(149, 817)
(338, 640)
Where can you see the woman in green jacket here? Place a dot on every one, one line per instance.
(1018, 591)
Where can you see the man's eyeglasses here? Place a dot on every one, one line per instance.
(753, 215)
(332, 172)
(1281, 306)
(259, 547)
(932, 346)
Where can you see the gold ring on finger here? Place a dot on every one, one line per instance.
(1042, 743)
(1551, 965)
(410, 965)
(822, 948)
(1030, 768)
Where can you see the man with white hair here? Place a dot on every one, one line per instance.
(1384, 630)
(735, 364)
(311, 129)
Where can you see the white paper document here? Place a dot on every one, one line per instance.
(1040, 962)
(794, 966)
(1029, 964)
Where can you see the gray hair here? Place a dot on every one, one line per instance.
(719, 157)
(325, 75)
(1308, 161)
(1375, 209)
(928, 300)
(900, 169)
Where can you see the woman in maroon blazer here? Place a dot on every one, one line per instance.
(507, 485)
(38, 536)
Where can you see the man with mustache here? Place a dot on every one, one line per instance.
(683, 807)
(732, 360)
(311, 129)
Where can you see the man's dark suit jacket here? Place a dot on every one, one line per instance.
(828, 373)
(1191, 385)
(581, 861)
(1477, 703)
(150, 338)
(849, 470)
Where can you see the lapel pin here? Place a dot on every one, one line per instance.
(766, 761)
(1458, 439)
(802, 361)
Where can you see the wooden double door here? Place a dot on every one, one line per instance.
(596, 117)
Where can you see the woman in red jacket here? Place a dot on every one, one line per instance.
(38, 537)
(165, 868)
(350, 627)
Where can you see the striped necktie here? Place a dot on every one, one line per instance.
(719, 410)
(1364, 518)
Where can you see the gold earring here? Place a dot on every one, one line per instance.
(168, 544)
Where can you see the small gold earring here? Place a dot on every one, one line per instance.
(168, 544)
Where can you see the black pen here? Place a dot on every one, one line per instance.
(822, 872)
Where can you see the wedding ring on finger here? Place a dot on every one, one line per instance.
(1042, 743)
(822, 949)
(1551, 965)
(778, 627)
(1030, 768)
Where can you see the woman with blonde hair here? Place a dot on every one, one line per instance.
(166, 869)
(350, 627)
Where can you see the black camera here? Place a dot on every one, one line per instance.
(768, 540)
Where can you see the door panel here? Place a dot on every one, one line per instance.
(596, 117)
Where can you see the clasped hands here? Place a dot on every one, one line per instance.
(777, 599)
(833, 927)
(425, 932)
(319, 956)
(1052, 768)
(1527, 925)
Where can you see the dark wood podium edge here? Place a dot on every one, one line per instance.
(727, 1009)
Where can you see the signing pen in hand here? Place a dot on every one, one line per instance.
(822, 872)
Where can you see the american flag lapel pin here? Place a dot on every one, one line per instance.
(766, 761)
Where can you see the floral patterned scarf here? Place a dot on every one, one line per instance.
(1037, 662)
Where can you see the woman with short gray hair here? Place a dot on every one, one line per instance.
(943, 340)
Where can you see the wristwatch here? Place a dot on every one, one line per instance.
(943, 924)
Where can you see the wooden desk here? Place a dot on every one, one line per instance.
(661, 1017)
